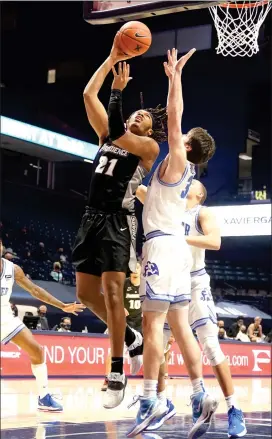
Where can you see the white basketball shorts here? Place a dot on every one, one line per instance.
(10, 327)
(202, 308)
(165, 276)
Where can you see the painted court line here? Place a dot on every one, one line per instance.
(248, 434)
(261, 425)
(107, 432)
(169, 432)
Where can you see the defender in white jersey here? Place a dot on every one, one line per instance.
(165, 252)
(13, 329)
(202, 232)
(165, 279)
(202, 308)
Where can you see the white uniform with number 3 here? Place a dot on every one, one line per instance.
(10, 325)
(202, 308)
(165, 276)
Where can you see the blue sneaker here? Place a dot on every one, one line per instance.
(237, 426)
(150, 410)
(49, 404)
(156, 424)
(204, 407)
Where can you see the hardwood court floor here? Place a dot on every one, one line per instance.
(85, 417)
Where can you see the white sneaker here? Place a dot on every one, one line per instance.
(136, 353)
(136, 364)
(137, 342)
(116, 390)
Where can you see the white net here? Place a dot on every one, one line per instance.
(238, 25)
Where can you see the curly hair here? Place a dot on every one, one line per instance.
(159, 118)
(202, 144)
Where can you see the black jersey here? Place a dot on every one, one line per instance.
(115, 177)
(132, 300)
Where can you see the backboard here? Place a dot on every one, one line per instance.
(103, 11)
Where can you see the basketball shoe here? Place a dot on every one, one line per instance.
(115, 392)
(49, 404)
(105, 385)
(237, 426)
(156, 424)
(135, 351)
(204, 407)
(150, 410)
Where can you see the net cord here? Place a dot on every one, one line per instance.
(238, 27)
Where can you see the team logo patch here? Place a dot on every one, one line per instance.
(151, 269)
(206, 295)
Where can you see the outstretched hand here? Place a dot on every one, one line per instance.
(121, 78)
(116, 53)
(73, 308)
(183, 60)
(174, 65)
(169, 67)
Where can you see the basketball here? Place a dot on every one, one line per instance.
(134, 38)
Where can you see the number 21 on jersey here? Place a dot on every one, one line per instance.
(106, 166)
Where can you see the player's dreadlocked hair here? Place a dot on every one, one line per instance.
(159, 118)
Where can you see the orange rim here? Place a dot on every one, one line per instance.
(243, 5)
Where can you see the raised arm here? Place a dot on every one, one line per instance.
(174, 169)
(96, 112)
(211, 240)
(144, 147)
(42, 294)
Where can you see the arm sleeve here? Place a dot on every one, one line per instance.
(115, 116)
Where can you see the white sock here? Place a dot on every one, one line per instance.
(198, 386)
(162, 397)
(231, 401)
(150, 388)
(40, 373)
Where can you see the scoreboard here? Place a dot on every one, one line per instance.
(105, 5)
(106, 11)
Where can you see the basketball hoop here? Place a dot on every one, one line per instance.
(238, 24)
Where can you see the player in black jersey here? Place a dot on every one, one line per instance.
(106, 238)
(133, 312)
(132, 301)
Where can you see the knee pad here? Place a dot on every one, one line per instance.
(210, 344)
(213, 351)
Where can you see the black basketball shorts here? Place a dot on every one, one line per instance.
(105, 242)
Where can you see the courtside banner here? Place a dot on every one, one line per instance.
(79, 356)
(248, 220)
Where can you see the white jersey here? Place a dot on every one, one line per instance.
(7, 280)
(10, 326)
(193, 228)
(165, 203)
